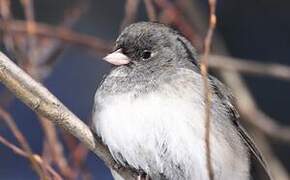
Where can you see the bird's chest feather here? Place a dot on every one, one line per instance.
(148, 129)
(162, 132)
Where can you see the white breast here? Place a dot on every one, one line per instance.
(140, 129)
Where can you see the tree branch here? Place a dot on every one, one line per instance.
(40, 100)
(36, 157)
(248, 66)
(206, 87)
(60, 33)
(21, 140)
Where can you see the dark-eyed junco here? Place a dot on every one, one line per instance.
(149, 110)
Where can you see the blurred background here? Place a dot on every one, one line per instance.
(60, 43)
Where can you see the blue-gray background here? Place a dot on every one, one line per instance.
(256, 29)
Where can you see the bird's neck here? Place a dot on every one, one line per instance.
(131, 80)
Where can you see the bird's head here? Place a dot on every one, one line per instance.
(148, 44)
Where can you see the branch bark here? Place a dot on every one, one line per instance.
(40, 100)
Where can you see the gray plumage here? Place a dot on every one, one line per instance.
(150, 112)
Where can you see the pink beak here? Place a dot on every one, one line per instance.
(117, 58)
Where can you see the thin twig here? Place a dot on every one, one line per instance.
(53, 48)
(21, 140)
(73, 13)
(151, 13)
(249, 66)
(171, 15)
(215, 61)
(78, 152)
(131, 8)
(207, 90)
(61, 33)
(40, 100)
(230, 77)
(13, 44)
(276, 168)
(56, 148)
(36, 157)
(252, 114)
(46, 154)
(44, 53)
(28, 6)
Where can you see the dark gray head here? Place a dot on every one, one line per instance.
(148, 44)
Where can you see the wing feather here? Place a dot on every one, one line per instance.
(226, 97)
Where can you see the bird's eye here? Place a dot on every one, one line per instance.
(146, 54)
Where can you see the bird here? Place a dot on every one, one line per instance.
(149, 110)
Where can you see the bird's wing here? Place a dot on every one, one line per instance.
(227, 99)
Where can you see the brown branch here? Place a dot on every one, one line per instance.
(252, 114)
(46, 154)
(36, 157)
(38, 55)
(249, 66)
(151, 13)
(230, 77)
(61, 33)
(131, 8)
(39, 70)
(53, 48)
(73, 13)
(245, 101)
(31, 28)
(21, 140)
(215, 61)
(206, 87)
(276, 168)
(266, 124)
(171, 15)
(56, 148)
(13, 44)
(40, 100)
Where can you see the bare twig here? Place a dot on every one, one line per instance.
(171, 15)
(215, 61)
(150, 10)
(63, 34)
(36, 157)
(230, 77)
(56, 148)
(46, 154)
(206, 87)
(46, 57)
(192, 13)
(80, 153)
(21, 140)
(53, 48)
(244, 98)
(45, 52)
(12, 43)
(131, 7)
(276, 168)
(28, 6)
(44, 103)
(73, 14)
(249, 66)
(6, 15)
(252, 114)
